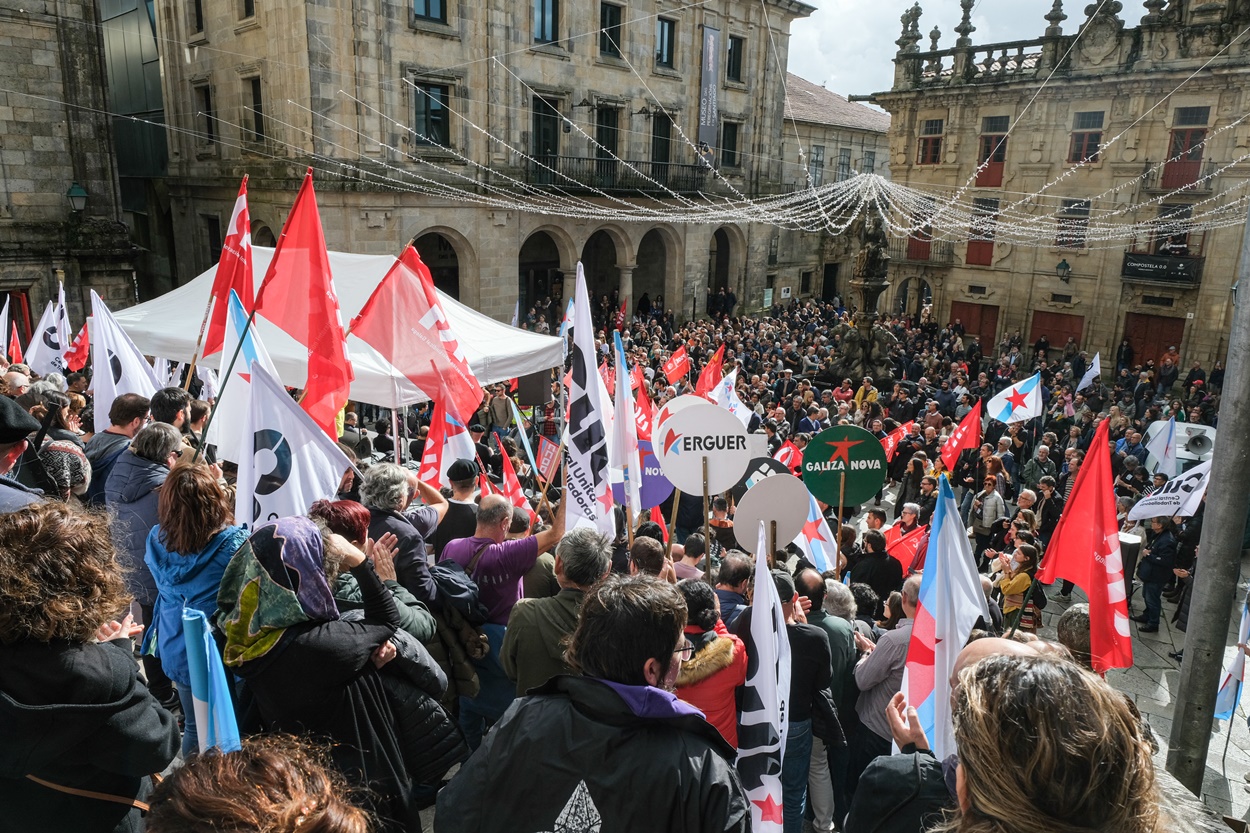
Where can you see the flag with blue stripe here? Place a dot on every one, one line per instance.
(210, 691)
(817, 540)
(1229, 696)
(1019, 402)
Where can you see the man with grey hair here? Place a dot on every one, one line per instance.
(839, 600)
(879, 676)
(388, 492)
(533, 646)
(1040, 466)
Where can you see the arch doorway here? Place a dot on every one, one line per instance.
(538, 271)
(438, 253)
(914, 294)
(262, 235)
(652, 270)
(599, 262)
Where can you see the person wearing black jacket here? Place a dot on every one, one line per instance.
(878, 569)
(1155, 569)
(613, 746)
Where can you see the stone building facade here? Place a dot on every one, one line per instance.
(493, 97)
(986, 117)
(54, 134)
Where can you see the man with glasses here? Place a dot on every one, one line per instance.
(613, 743)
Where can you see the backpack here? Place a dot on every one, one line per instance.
(100, 475)
(1038, 597)
(459, 590)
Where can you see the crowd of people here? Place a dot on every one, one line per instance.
(401, 647)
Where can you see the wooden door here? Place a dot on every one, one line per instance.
(1057, 327)
(980, 320)
(1150, 336)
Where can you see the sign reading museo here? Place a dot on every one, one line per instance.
(844, 464)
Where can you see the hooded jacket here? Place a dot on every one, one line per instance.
(709, 680)
(588, 754)
(77, 716)
(533, 646)
(190, 580)
(131, 493)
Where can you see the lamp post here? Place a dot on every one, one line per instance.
(77, 196)
(1063, 270)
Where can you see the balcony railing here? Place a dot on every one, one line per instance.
(991, 63)
(922, 250)
(1194, 176)
(573, 173)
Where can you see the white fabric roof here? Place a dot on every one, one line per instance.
(169, 325)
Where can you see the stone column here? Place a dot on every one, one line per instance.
(570, 286)
(626, 289)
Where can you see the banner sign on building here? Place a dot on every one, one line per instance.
(709, 110)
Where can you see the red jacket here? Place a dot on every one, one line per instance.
(710, 679)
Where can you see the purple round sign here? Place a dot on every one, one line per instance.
(655, 487)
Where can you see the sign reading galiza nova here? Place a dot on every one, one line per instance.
(844, 462)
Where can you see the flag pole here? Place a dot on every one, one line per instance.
(238, 348)
(672, 523)
(1028, 596)
(199, 342)
(707, 523)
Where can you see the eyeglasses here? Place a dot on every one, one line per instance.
(686, 650)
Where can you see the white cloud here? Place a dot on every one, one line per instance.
(848, 45)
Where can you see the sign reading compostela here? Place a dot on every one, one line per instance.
(844, 465)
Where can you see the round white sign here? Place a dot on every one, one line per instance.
(781, 498)
(674, 406)
(703, 432)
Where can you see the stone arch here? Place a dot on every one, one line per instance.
(452, 261)
(726, 267)
(912, 295)
(659, 265)
(605, 252)
(262, 235)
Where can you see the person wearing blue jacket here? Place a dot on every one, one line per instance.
(187, 554)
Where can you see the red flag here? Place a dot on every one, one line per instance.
(658, 517)
(234, 271)
(1085, 549)
(298, 296)
(967, 435)
(890, 441)
(677, 367)
(620, 316)
(608, 375)
(789, 455)
(644, 414)
(904, 547)
(15, 347)
(404, 321)
(712, 373)
(79, 353)
(636, 378)
(483, 482)
(512, 488)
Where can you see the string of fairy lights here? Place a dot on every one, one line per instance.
(1042, 217)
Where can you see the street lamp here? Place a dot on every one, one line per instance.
(1063, 270)
(77, 196)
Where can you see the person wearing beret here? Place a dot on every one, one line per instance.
(461, 518)
(15, 426)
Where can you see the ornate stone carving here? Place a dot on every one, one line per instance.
(1055, 17)
(965, 27)
(1154, 9)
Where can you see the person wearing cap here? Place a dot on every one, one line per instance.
(461, 518)
(478, 432)
(15, 426)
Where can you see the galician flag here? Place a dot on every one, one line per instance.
(625, 433)
(817, 541)
(448, 441)
(210, 692)
(1022, 401)
(1162, 448)
(763, 718)
(1229, 696)
(118, 365)
(951, 599)
(587, 461)
(1093, 374)
(293, 462)
(235, 386)
(725, 395)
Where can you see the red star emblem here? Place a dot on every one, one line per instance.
(1017, 399)
(843, 448)
(770, 810)
(606, 500)
(811, 531)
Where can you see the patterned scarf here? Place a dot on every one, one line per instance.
(275, 580)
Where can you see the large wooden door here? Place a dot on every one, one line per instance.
(1150, 336)
(1057, 327)
(980, 320)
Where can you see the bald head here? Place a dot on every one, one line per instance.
(494, 516)
(979, 649)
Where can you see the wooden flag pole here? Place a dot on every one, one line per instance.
(545, 483)
(629, 524)
(841, 497)
(707, 521)
(672, 523)
(238, 348)
(772, 542)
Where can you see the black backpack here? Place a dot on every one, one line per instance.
(459, 590)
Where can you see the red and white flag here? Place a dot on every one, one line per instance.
(1085, 550)
(298, 296)
(967, 435)
(234, 271)
(644, 414)
(79, 352)
(512, 488)
(636, 381)
(677, 368)
(711, 375)
(15, 346)
(448, 441)
(789, 456)
(404, 321)
(890, 442)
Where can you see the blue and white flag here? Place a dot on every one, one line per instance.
(1162, 449)
(817, 540)
(1022, 401)
(765, 710)
(950, 601)
(1229, 696)
(118, 366)
(725, 394)
(215, 722)
(235, 383)
(625, 434)
(1094, 374)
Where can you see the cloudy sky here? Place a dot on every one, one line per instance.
(847, 45)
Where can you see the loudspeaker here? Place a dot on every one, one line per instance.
(1199, 444)
(1194, 442)
(534, 389)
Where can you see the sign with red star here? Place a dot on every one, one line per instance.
(842, 448)
(844, 464)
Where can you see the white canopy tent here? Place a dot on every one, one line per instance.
(169, 325)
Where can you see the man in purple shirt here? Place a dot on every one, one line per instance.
(503, 563)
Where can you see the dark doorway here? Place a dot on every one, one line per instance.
(444, 264)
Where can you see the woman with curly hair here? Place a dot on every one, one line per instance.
(1047, 745)
(81, 734)
(275, 783)
(187, 553)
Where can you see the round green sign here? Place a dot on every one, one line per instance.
(844, 465)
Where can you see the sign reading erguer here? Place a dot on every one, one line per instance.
(844, 464)
(702, 432)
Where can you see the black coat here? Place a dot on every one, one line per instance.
(77, 716)
(904, 793)
(672, 773)
(1157, 559)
